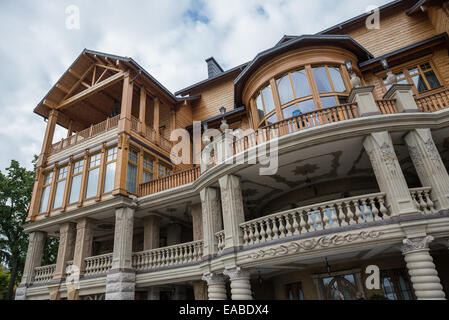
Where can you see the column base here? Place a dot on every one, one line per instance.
(21, 292)
(120, 285)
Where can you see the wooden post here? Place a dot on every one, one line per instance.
(70, 129)
(52, 190)
(84, 178)
(48, 137)
(156, 119)
(142, 112)
(173, 121)
(125, 114)
(68, 182)
(101, 173)
(121, 165)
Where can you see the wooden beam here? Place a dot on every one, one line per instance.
(156, 117)
(80, 80)
(142, 111)
(88, 92)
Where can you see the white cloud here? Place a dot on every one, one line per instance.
(36, 48)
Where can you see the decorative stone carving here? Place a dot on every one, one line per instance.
(314, 243)
(233, 212)
(429, 165)
(240, 284)
(216, 285)
(212, 222)
(416, 244)
(421, 269)
(389, 176)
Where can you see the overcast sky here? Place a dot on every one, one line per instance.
(170, 39)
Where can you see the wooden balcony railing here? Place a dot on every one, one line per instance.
(172, 181)
(434, 101)
(295, 124)
(387, 106)
(150, 134)
(90, 132)
(168, 256)
(321, 216)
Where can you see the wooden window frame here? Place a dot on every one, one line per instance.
(106, 163)
(144, 169)
(89, 169)
(58, 180)
(315, 95)
(394, 275)
(73, 175)
(403, 68)
(47, 184)
(133, 149)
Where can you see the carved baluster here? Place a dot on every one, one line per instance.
(269, 231)
(310, 220)
(281, 226)
(341, 215)
(334, 218)
(358, 213)
(429, 201)
(251, 234)
(262, 231)
(256, 232)
(422, 203)
(366, 210)
(275, 228)
(374, 209)
(325, 215)
(349, 213)
(288, 225)
(296, 231)
(303, 221)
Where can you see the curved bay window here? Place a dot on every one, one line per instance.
(300, 91)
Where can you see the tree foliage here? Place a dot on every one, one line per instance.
(16, 186)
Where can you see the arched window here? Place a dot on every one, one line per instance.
(300, 91)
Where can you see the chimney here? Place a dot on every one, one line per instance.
(213, 68)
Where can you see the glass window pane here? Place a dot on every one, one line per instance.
(322, 80)
(109, 177)
(405, 288)
(272, 119)
(48, 178)
(75, 189)
(132, 156)
(62, 173)
(78, 167)
(131, 178)
(418, 80)
(161, 171)
(92, 183)
(337, 80)
(268, 99)
(328, 102)
(301, 84)
(148, 163)
(432, 79)
(285, 89)
(425, 66)
(44, 199)
(288, 111)
(112, 154)
(388, 288)
(307, 106)
(59, 194)
(147, 176)
(342, 99)
(95, 160)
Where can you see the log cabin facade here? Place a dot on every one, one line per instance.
(360, 117)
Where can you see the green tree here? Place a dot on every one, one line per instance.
(4, 281)
(16, 186)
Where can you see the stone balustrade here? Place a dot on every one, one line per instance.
(422, 198)
(68, 268)
(168, 256)
(98, 264)
(220, 239)
(326, 215)
(44, 274)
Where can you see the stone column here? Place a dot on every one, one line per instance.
(199, 287)
(34, 259)
(83, 249)
(151, 232)
(403, 94)
(210, 206)
(216, 285)
(421, 269)
(121, 279)
(240, 284)
(366, 105)
(233, 212)
(174, 233)
(429, 166)
(66, 249)
(389, 176)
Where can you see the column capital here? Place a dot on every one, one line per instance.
(214, 278)
(237, 273)
(416, 244)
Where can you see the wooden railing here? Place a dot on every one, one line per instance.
(295, 124)
(326, 215)
(134, 123)
(168, 256)
(93, 130)
(220, 239)
(172, 181)
(44, 274)
(422, 198)
(98, 264)
(387, 106)
(150, 134)
(434, 101)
